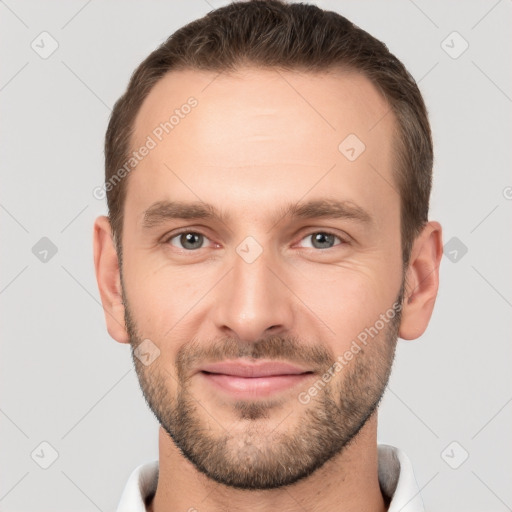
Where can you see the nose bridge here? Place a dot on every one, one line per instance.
(253, 301)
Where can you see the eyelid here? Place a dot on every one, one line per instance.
(166, 239)
(343, 237)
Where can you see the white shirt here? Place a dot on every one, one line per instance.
(396, 479)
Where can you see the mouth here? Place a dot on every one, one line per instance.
(244, 379)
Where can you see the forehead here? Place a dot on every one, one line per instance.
(262, 127)
(329, 101)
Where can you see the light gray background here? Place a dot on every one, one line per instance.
(66, 382)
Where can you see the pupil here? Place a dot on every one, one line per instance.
(191, 240)
(323, 240)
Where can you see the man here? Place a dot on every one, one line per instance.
(268, 173)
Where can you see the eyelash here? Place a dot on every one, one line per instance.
(342, 241)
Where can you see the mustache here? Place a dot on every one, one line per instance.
(290, 349)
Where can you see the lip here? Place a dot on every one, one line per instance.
(248, 369)
(249, 380)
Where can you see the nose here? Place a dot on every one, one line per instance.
(252, 301)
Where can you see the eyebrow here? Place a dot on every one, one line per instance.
(163, 211)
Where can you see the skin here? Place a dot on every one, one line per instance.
(258, 141)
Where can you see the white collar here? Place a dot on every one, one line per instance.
(396, 478)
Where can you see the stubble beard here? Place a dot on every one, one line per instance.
(255, 457)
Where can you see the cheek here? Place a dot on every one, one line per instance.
(162, 299)
(343, 301)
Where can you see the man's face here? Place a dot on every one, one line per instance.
(250, 305)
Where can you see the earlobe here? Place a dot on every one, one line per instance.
(422, 281)
(108, 277)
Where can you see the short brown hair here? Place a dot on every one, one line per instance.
(274, 34)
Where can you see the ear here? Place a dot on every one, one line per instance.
(421, 281)
(108, 277)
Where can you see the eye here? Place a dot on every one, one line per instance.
(188, 240)
(322, 240)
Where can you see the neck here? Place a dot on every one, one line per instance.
(348, 482)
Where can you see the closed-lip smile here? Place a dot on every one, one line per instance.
(249, 379)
